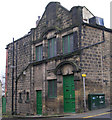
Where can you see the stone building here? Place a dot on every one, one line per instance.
(50, 60)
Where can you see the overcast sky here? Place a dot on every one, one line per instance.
(17, 17)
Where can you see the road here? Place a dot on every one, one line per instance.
(102, 114)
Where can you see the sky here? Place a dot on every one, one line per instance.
(17, 17)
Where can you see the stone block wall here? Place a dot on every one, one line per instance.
(23, 51)
(111, 69)
(95, 61)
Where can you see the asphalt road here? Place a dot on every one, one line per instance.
(102, 114)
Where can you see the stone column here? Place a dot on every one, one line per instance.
(44, 89)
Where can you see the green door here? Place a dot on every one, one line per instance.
(69, 93)
(3, 105)
(39, 102)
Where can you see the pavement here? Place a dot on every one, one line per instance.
(78, 115)
(88, 114)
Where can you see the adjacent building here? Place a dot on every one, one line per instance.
(0, 98)
(49, 62)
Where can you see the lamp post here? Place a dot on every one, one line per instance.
(84, 76)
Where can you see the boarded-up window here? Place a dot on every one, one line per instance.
(39, 53)
(59, 44)
(75, 37)
(68, 43)
(52, 88)
(52, 47)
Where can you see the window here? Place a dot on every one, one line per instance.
(52, 47)
(39, 53)
(52, 88)
(27, 96)
(68, 43)
(20, 98)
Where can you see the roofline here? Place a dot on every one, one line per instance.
(95, 26)
(18, 40)
(58, 3)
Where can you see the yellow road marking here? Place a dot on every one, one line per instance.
(96, 115)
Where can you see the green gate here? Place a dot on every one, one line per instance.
(39, 102)
(3, 105)
(69, 93)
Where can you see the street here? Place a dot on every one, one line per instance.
(100, 114)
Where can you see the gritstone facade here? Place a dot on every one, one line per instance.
(49, 62)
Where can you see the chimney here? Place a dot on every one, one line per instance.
(37, 22)
(76, 13)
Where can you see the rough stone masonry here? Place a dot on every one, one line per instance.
(50, 60)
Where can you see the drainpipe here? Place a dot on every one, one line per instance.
(16, 82)
(6, 72)
(13, 79)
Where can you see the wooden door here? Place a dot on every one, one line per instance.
(69, 93)
(39, 102)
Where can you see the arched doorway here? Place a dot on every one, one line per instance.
(67, 70)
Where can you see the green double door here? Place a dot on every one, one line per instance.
(39, 102)
(69, 93)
